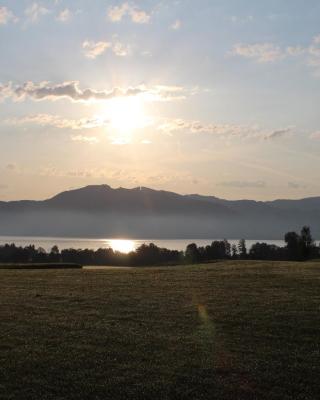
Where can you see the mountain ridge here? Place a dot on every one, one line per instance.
(144, 188)
(102, 210)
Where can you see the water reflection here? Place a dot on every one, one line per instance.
(124, 245)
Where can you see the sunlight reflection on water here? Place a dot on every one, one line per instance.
(117, 244)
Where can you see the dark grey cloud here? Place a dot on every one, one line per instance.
(11, 167)
(228, 130)
(296, 185)
(277, 133)
(70, 90)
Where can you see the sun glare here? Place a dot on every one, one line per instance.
(124, 246)
(126, 114)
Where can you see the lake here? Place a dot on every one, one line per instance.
(123, 245)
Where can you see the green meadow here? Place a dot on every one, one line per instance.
(228, 330)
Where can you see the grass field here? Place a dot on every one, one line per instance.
(232, 330)
(40, 266)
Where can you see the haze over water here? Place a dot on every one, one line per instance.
(123, 245)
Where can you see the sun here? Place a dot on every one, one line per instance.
(126, 114)
(124, 246)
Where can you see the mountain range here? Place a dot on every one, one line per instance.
(101, 211)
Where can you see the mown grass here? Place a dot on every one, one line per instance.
(230, 330)
(39, 266)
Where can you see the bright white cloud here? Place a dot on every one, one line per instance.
(260, 52)
(295, 50)
(269, 52)
(138, 16)
(176, 25)
(95, 49)
(64, 15)
(85, 139)
(6, 16)
(315, 135)
(35, 11)
(314, 54)
(120, 49)
(120, 141)
(116, 13)
(241, 19)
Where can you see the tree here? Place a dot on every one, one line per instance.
(55, 254)
(227, 248)
(242, 248)
(148, 254)
(293, 245)
(234, 251)
(192, 253)
(306, 241)
(264, 251)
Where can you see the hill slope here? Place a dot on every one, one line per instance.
(100, 210)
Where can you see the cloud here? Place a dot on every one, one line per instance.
(124, 176)
(138, 16)
(278, 133)
(70, 90)
(168, 93)
(269, 52)
(243, 184)
(170, 126)
(314, 54)
(6, 16)
(176, 25)
(95, 49)
(260, 52)
(11, 167)
(116, 13)
(120, 49)
(64, 15)
(316, 40)
(35, 11)
(311, 53)
(315, 135)
(85, 139)
(296, 185)
(5, 91)
(241, 19)
(59, 122)
(295, 51)
(120, 141)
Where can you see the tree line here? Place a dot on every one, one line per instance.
(298, 247)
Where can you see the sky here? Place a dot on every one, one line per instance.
(217, 97)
